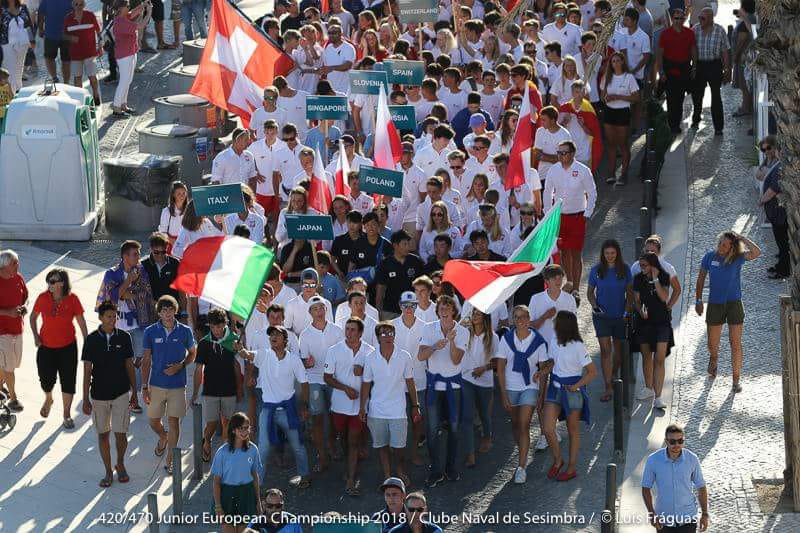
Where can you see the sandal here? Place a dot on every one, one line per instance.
(168, 466)
(304, 484)
(106, 481)
(122, 474)
(206, 453)
(159, 451)
(712, 369)
(68, 423)
(553, 472)
(45, 410)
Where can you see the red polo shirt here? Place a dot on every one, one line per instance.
(13, 293)
(58, 328)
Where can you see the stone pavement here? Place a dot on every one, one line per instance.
(738, 438)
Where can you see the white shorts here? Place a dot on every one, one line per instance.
(388, 432)
(85, 67)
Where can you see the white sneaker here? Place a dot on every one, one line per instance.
(520, 476)
(542, 443)
(658, 403)
(645, 393)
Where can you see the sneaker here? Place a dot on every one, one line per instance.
(541, 444)
(520, 476)
(658, 403)
(737, 387)
(645, 393)
(621, 180)
(434, 480)
(14, 406)
(611, 179)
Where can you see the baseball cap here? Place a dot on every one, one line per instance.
(309, 274)
(476, 120)
(408, 147)
(408, 297)
(394, 482)
(315, 300)
(278, 329)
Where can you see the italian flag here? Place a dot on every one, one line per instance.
(227, 272)
(487, 285)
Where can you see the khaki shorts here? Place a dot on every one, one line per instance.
(83, 67)
(731, 313)
(112, 415)
(169, 401)
(10, 352)
(215, 407)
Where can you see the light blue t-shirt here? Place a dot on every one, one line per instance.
(725, 279)
(236, 468)
(610, 290)
(165, 350)
(675, 482)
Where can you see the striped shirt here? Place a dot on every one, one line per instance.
(710, 45)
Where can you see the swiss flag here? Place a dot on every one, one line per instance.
(342, 170)
(519, 160)
(238, 62)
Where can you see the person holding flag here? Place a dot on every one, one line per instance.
(579, 117)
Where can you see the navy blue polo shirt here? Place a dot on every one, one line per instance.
(165, 350)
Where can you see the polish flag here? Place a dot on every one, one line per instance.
(342, 170)
(387, 141)
(320, 194)
(520, 156)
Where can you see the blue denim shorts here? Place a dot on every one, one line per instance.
(523, 397)
(318, 399)
(605, 326)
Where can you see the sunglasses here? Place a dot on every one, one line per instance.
(526, 213)
(456, 168)
(480, 148)
(673, 442)
(309, 285)
(289, 139)
(408, 306)
(563, 152)
(389, 334)
(416, 509)
(437, 214)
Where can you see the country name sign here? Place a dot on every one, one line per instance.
(309, 227)
(380, 181)
(327, 108)
(218, 199)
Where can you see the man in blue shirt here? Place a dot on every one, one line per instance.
(51, 26)
(674, 472)
(168, 347)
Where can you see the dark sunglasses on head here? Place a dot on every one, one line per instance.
(416, 509)
(673, 442)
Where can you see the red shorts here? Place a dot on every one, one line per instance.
(572, 232)
(271, 204)
(351, 423)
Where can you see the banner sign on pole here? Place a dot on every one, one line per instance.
(218, 199)
(405, 72)
(374, 180)
(327, 107)
(310, 227)
(419, 10)
(403, 116)
(368, 82)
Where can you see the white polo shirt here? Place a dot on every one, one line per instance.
(266, 163)
(295, 108)
(229, 167)
(287, 163)
(569, 36)
(368, 336)
(296, 315)
(254, 222)
(429, 160)
(276, 377)
(541, 303)
(363, 204)
(284, 296)
(635, 45)
(333, 57)
(414, 182)
(547, 142)
(257, 338)
(409, 339)
(440, 362)
(568, 360)
(424, 212)
(340, 363)
(343, 312)
(261, 115)
(426, 315)
(514, 380)
(387, 397)
(475, 357)
(317, 343)
(454, 102)
(573, 185)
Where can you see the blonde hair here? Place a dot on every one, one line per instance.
(481, 177)
(445, 219)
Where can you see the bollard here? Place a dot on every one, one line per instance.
(152, 509)
(625, 370)
(639, 246)
(619, 423)
(645, 222)
(649, 193)
(177, 482)
(650, 139)
(611, 491)
(197, 423)
(606, 521)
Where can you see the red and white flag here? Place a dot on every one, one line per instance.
(519, 160)
(237, 63)
(388, 148)
(320, 193)
(342, 170)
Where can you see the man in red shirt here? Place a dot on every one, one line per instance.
(13, 296)
(676, 60)
(81, 30)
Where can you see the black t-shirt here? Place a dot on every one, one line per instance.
(492, 257)
(365, 255)
(433, 265)
(342, 249)
(303, 259)
(292, 23)
(219, 374)
(108, 356)
(657, 311)
(160, 280)
(397, 278)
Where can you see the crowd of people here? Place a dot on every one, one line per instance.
(359, 341)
